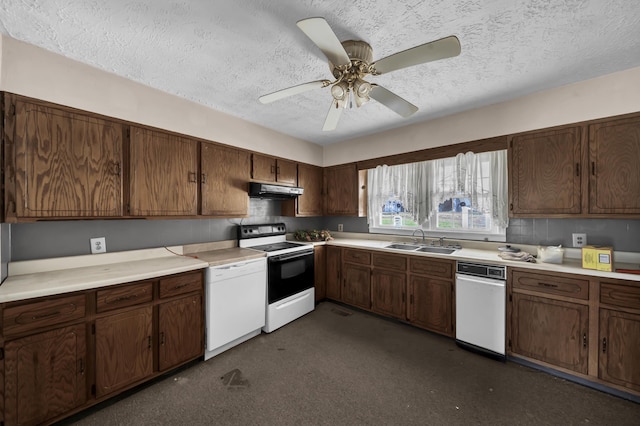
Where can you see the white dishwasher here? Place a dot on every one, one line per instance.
(236, 295)
(481, 308)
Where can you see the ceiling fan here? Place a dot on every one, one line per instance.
(351, 61)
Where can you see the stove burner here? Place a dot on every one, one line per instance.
(275, 246)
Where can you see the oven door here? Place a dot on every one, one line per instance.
(289, 274)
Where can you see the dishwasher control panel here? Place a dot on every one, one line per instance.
(481, 270)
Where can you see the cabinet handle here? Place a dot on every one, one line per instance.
(278, 170)
(149, 342)
(584, 340)
(192, 177)
(82, 366)
(604, 345)
(548, 285)
(117, 169)
(593, 168)
(162, 338)
(49, 315)
(179, 286)
(124, 298)
(577, 169)
(203, 178)
(273, 169)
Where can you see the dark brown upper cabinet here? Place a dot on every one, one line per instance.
(310, 203)
(164, 175)
(60, 163)
(270, 169)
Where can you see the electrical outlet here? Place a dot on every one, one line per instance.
(340, 227)
(579, 240)
(98, 245)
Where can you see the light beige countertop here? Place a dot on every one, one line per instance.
(488, 253)
(37, 278)
(46, 277)
(228, 255)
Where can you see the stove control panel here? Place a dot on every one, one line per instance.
(262, 230)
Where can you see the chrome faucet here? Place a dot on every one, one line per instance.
(414, 234)
(441, 239)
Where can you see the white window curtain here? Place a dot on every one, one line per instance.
(421, 187)
(406, 183)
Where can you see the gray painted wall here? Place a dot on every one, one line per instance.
(41, 240)
(622, 235)
(70, 238)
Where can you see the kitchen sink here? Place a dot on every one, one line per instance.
(402, 247)
(440, 250)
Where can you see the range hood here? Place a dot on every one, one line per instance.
(273, 191)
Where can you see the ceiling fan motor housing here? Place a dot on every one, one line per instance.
(358, 51)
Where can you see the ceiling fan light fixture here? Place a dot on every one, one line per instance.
(361, 91)
(340, 91)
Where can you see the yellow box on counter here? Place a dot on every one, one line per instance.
(599, 258)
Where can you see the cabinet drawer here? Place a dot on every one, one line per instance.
(389, 261)
(436, 268)
(551, 284)
(357, 256)
(625, 296)
(181, 284)
(123, 296)
(30, 316)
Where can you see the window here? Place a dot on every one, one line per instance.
(462, 197)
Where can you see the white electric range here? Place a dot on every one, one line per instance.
(290, 272)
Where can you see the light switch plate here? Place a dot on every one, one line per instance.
(340, 227)
(98, 245)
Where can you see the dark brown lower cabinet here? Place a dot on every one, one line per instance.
(320, 272)
(356, 285)
(430, 304)
(619, 351)
(179, 339)
(388, 293)
(45, 375)
(552, 331)
(334, 273)
(124, 349)
(65, 353)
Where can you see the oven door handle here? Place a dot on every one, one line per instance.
(290, 256)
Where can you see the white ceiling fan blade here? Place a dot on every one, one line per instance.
(319, 31)
(294, 90)
(440, 49)
(392, 101)
(333, 116)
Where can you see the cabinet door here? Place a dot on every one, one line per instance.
(341, 185)
(614, 176)
(225, 174)
(430, 304)
(619, 348)
(263, 168)
(551, 331)
(181, 331)
(124, 349)
(66, 165)
(545, 172)
(388, 292)
(334, 273)
(320, 272)
(164, 174)
(286, 172)
(310, 203)
(356, 285)
(45, 375)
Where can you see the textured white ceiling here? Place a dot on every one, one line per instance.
(225, 54)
